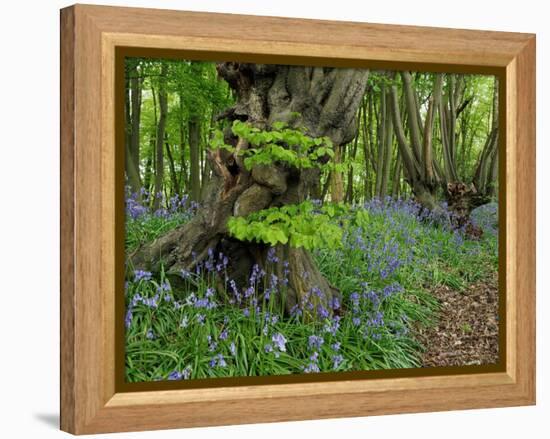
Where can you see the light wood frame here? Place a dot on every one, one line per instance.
(89, 38)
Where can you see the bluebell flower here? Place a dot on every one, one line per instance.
(322, 312)
(337, 360)
(218, 361)
(315, 341)
(164, 286)
(271, 257)
(279, 341)
(187, 372)
(212, 345)
(142, 275)
(295, 311)
(128, 318)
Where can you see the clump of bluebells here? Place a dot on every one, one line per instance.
(144, 222)
(204, 324)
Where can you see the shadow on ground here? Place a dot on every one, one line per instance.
(50, 419)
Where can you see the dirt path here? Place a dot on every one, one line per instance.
(467, 331)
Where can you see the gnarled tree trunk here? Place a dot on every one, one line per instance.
(322, 100)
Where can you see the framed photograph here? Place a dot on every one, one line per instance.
(267, 219)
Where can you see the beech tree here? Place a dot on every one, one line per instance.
(321, 101)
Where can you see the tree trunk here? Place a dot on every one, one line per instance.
(349, 190)
(172, 166)
(159, 145)
(388, 150)
(336, 180)
(324, 101)
(184, 177)
(381, 140)
(194, 158)
(412, 168)
(133, 116)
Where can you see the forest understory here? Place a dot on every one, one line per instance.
(415, 293)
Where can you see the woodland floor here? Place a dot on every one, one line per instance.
(467, 329)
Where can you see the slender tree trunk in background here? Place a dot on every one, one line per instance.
(194, 133)
(161, 127)
(336, 182)
(428, 130)
(388, 148)
(447, 123)
(148, 178)
(127, 128)
(363, 130)
(412, 115)
(492, 178)
(491, 189)
(206, 169)
(184, 177)
(327, 100)
(149, 165)
(381, 141)
(370, 127)
(172, 166)
(452, 120)
(136, 87)
(396, 182)
(194, 158)
(349, 189)
(133, 116)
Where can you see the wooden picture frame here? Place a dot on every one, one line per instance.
(91, 399)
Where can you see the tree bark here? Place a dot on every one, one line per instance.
(324, 101)
(161, 128)
(388, 150)
(413, 170)
(133, 116)
(194, 158)
(336, 179)
(172, 166)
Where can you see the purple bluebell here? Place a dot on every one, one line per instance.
(128, 318)
(279, 341)
(142, 275)
(224, 334)
(315, 341)
(337, 360)
(218, 361)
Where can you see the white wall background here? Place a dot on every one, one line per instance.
(29, 206)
